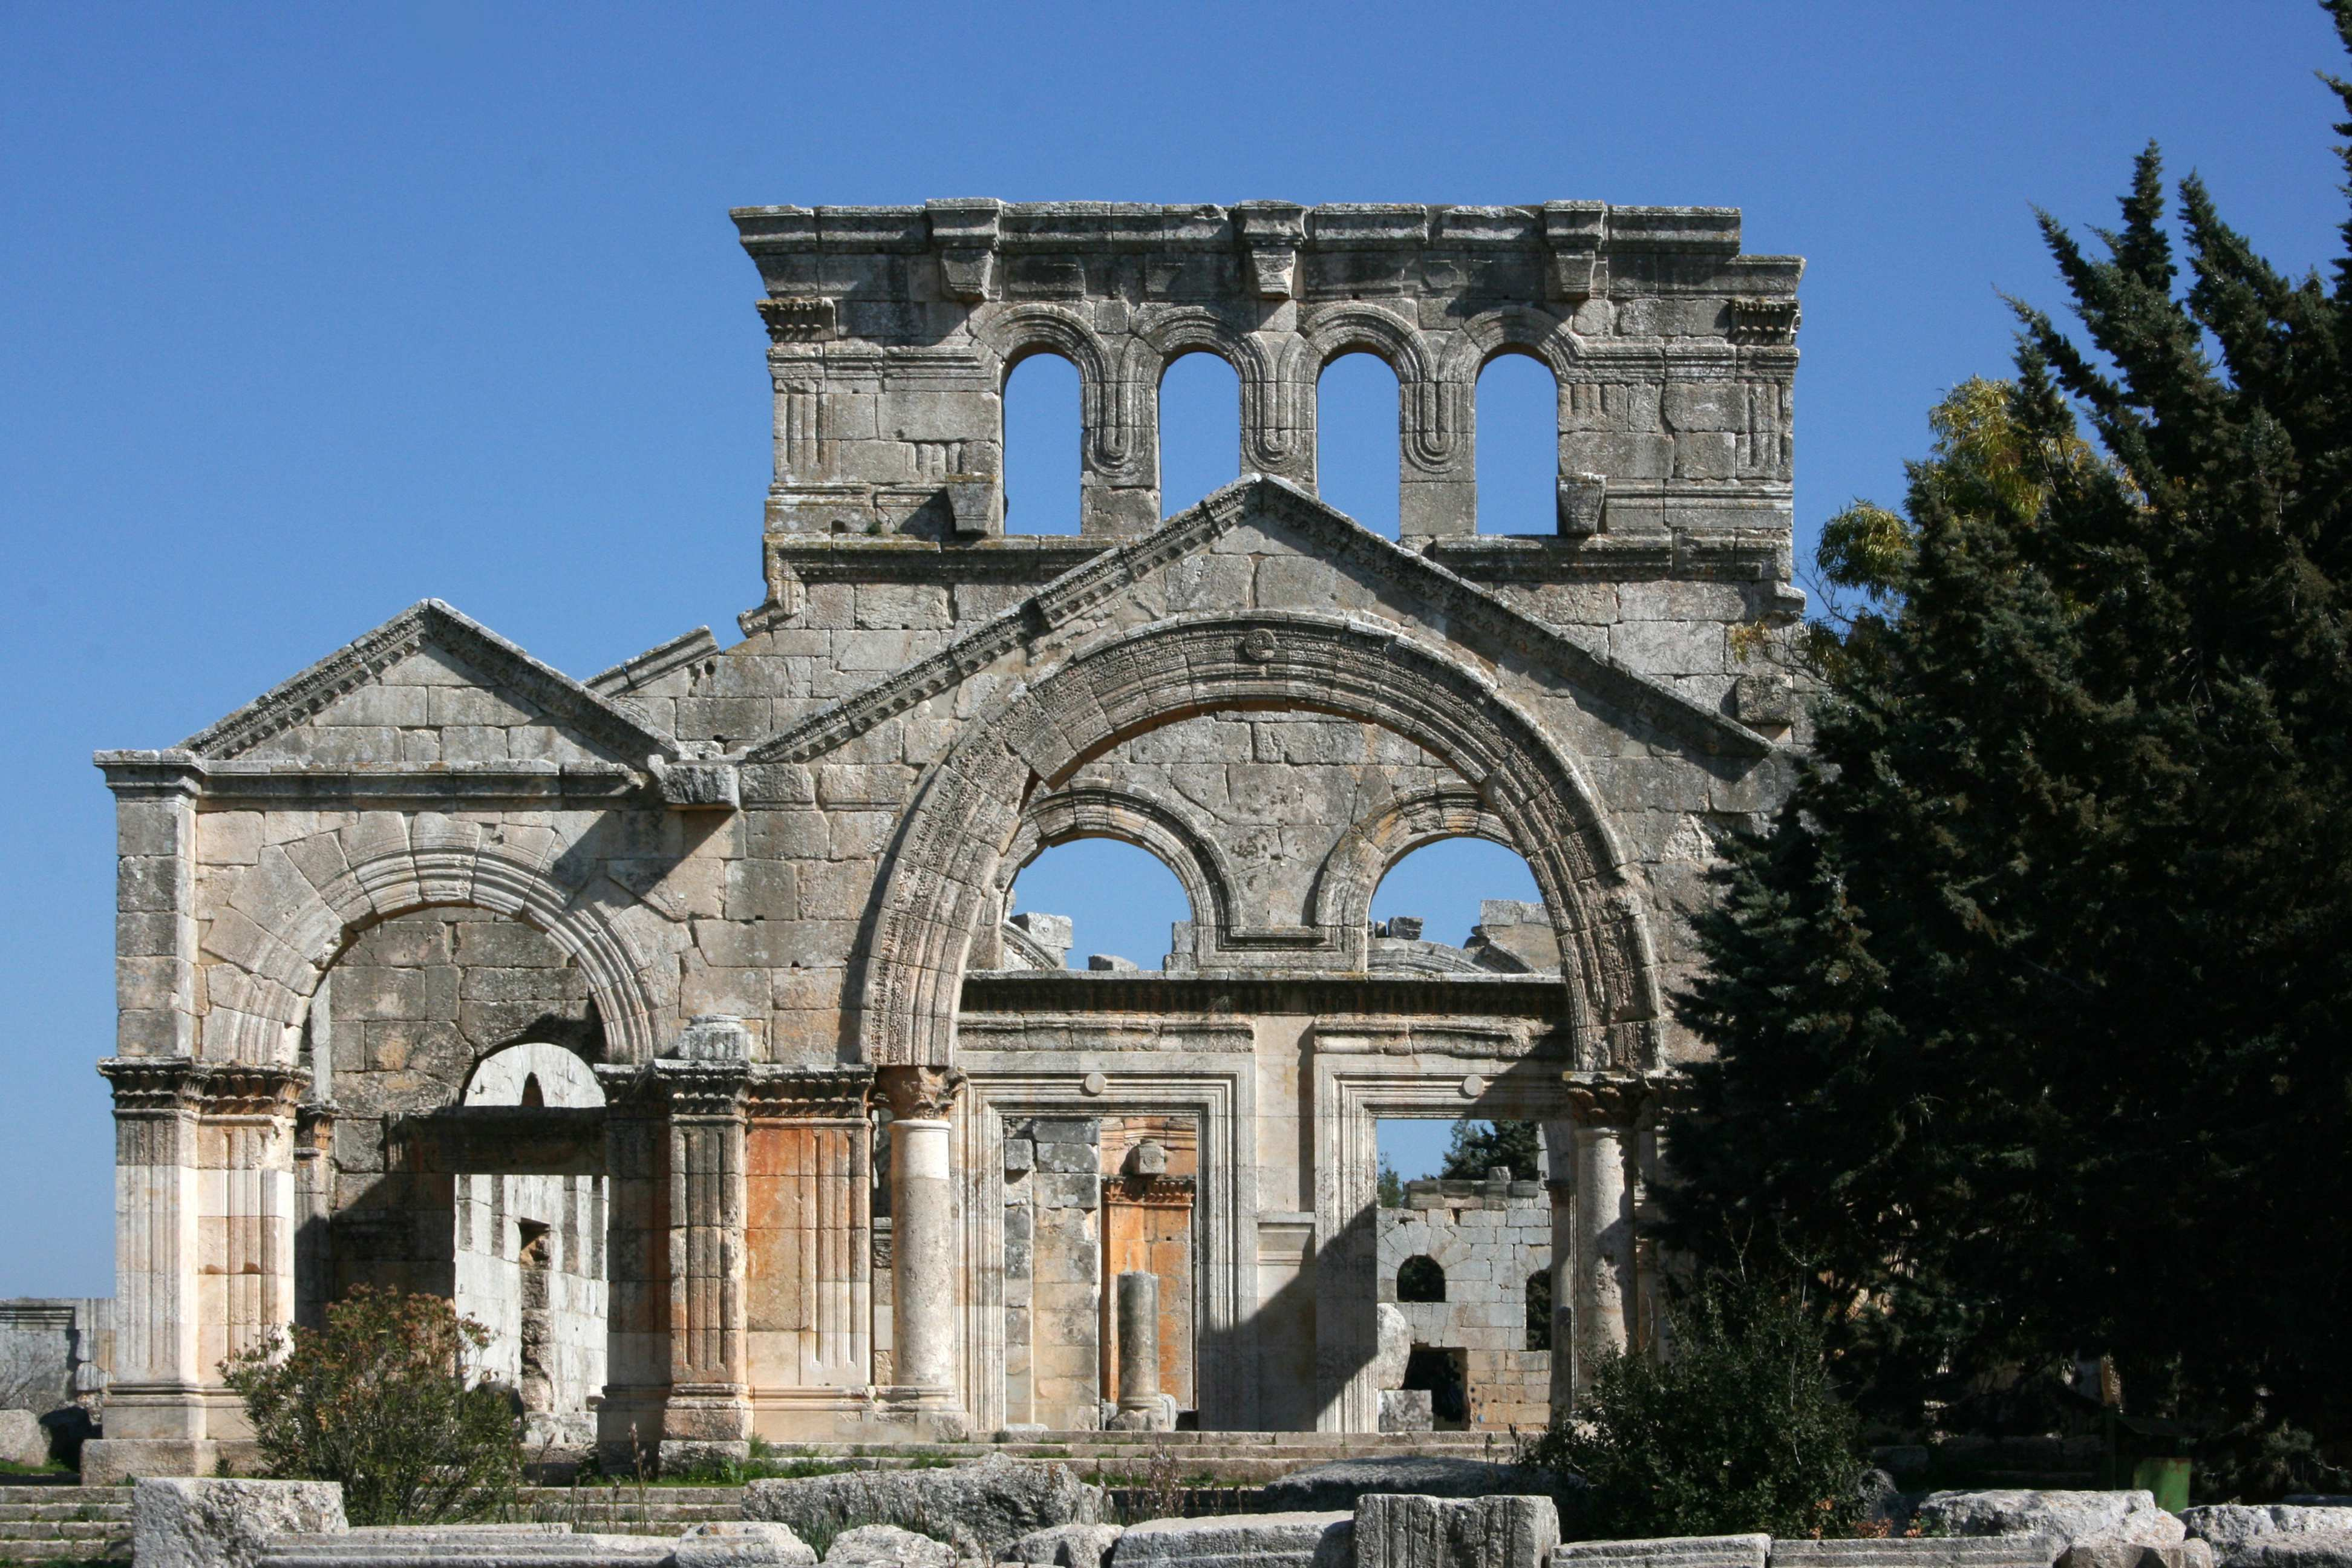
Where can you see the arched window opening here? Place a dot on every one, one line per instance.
(1094, 904)
(1355, 451)
(1420, 1279)
(1540, 1310)
(1044, 428)
(532, 1095)
(1519, 446)
(1200, 429)
(1462, 906)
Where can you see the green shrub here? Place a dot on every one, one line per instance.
(1740, 1429)
(379, 1400)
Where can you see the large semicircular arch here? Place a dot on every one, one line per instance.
(939, 885)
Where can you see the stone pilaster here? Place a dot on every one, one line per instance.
(155, 1407)
(1604, 1286)
(709, 1409)
(808, 1231)
(244, 1147)
(925, 1313)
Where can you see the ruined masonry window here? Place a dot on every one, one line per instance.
(1042, 437)
(1421, 1280)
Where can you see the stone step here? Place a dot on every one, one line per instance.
(64, 1529)
(115, 1550)
(29, 1512)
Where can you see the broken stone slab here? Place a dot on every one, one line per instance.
(190, 1522)
(1338, 1485)
(1242, 1541)
(742, 1544)
(2310, 1549)
(2110, 1552)
(2065, 1519)
(887, 1546)
(1915, 1551)
(1403, 1530)
(1668, 1551)
(23, 1439)
(978, 1508)
(1066, 1546)
(2232, 1527)
(466, 1546)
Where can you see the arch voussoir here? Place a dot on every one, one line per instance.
(945, 872)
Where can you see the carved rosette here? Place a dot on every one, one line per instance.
(919, 1093)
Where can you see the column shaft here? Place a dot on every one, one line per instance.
(926, 1313)
(1604, 1282)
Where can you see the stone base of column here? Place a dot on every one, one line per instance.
(919, 1413)
(107, 1460)
(703, 1424)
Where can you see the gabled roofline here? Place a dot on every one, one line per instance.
(1083, 586)
(506, 667)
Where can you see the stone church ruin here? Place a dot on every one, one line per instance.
(671, 1021)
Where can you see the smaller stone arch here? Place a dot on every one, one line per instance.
(1105, 396)
(1429, 407)
(1421, 1278)
(266, 963)
(1513, 329)
(564, 1080)
(1159, 829)
(1340, 901)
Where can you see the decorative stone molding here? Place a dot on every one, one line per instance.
(1608, 1101)
(919, 1093)
(940, 884)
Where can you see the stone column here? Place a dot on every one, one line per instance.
(924, 1315)
(245, 1149)
(1138, 1351)
(1605, 1284)
(1559, 1183)
(709, 1411)
(155, 1411)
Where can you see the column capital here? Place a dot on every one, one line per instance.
(166, 1086)
(809, 1094)
(1607, 1101)
(919, 1093)
(702, 1090)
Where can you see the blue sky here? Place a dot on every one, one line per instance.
(311, 312)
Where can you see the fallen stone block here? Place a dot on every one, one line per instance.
(1916, 1552)
(2232, 1527)
(980, 1510)
(195, 1522)
(1395, 1530)
(23, 1439)
(1668, 1551)
(1242, 1541)
(2064, 1518)
(1066, 1546)
(887, 1546)
(742, 1544)
(1407, 1410)
(2309, 1549)
(1338, 1485)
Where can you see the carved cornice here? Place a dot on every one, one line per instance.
(504, 666)
(919, 1093)
(165, 1086)
(809, 1094)
(1152, 1192)
(1075, 592)
(702, 1092)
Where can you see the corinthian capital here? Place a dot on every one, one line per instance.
(1607, 1101)
(918, 1093)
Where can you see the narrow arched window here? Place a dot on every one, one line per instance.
(1356, 452)
(1519, 446)
(1044, 428)
(1540, 1310)
(1200, 429)
(1421, 1280)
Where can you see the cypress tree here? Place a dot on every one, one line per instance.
(2031, 1009)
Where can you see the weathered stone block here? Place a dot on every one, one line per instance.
(1258, 1541)
(1394, 1531)
(203, 1523)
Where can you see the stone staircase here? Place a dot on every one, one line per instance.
(65, 1525)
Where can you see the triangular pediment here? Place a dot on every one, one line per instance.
(429, 672)
(1322, 536)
